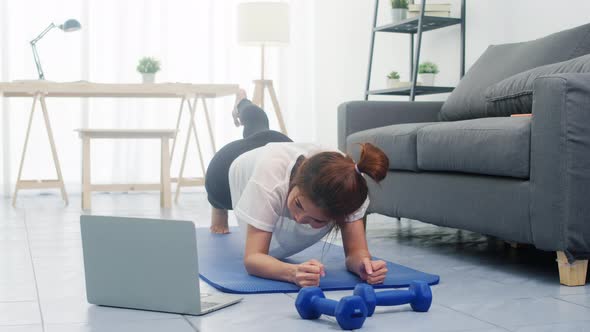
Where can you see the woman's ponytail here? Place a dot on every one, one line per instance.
(373, 162)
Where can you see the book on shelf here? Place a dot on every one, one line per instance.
(427, 13)
(435, 7)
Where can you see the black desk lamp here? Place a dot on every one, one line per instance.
(68, 26)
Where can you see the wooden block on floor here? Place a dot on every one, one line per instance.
(571, 274)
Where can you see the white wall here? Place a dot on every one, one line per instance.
(342, 39)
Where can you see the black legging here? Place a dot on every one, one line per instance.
(256, 134)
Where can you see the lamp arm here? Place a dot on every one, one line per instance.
(35, 54)
(51, 26)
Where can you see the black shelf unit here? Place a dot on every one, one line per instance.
(419, 90)
(415, 26)
(410, 25)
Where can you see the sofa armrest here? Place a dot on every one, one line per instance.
(560, 164)
(356, 116)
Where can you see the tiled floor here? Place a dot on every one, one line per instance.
(485, 285)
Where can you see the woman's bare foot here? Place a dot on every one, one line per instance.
(219, 229)
(239, 96)
(219, 221)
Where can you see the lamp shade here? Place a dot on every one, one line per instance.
(70, 25)
(263, 23)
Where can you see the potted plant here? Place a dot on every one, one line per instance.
(426, 72)
(399, 10)
(393, 80)
(148, 67)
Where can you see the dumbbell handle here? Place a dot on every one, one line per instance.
(395, 297)
(325, 306)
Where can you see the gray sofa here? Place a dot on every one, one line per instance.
(465, 163)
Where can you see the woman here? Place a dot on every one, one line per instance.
(287, 196)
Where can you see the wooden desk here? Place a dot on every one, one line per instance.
(189, 93)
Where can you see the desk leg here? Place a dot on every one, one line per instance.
(209, 125)
(275, 103)
(191, 129)
(201, 161)
(22, 158)
(60, 179)
(177, 127)
(86, 178)
(165, 174)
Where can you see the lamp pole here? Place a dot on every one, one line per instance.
(262, 61)
(35, 54)
(262, 75)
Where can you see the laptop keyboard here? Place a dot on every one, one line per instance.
(207, 305)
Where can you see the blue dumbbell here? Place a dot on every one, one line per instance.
(418, 296)
(350, 311)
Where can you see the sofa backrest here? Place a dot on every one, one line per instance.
(498, 62)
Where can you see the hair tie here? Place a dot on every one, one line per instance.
(356, 168)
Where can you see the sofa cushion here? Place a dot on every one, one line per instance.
(397, 141)
(515, 94)
(489, 146)
(498, 62)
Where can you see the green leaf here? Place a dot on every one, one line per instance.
(427, 68)
(393, 75)
(402, 4)
(148, 65)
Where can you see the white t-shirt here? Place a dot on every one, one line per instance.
(259, 185)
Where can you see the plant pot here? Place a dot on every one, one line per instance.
(148, 77)
(399, 14)
(392, 83)
(426, 79)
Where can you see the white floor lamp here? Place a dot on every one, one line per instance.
(264, 24)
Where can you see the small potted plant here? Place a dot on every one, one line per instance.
(148, 67)
(393, 80)
(399, 10)
(426, 72)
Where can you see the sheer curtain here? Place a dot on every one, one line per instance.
(195, 40)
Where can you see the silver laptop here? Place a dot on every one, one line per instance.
(148, 264)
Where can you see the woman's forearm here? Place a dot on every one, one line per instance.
(355, 246)
(354, 261)
(265, 266)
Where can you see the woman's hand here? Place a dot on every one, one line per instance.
(373, 272)
(309, 273)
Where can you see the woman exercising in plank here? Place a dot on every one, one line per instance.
(287, 196)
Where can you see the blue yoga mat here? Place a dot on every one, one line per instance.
(221, 265)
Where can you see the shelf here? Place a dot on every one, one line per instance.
(415, 27)
(420, 90)
(411, 25)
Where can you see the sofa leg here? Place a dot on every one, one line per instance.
(571, 274)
